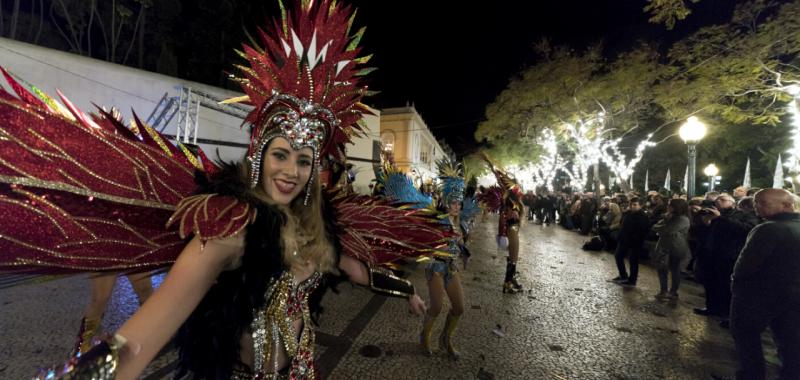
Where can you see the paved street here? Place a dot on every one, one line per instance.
(570, 323)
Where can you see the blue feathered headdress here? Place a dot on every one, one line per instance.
(398, 187)
(451, 175)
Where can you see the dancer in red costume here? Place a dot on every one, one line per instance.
(506, 199)
(261, 232)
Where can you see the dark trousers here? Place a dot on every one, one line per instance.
(631, 250)
(568, 223)
(717, 283)
(750, 316)
(549, 215)
(586, 223)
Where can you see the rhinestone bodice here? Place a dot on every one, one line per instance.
(272, 328)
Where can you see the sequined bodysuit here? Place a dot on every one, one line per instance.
(272, 328)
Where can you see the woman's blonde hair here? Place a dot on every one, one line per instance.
(304, 238)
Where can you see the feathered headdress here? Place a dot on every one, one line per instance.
(398, 187)
(505, 180)
(305, 82)
(506, 183)
(451, 174)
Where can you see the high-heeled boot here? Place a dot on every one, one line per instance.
(446, 339)
(510, 284)
(425, 335)
(514, 282)
(90, 327)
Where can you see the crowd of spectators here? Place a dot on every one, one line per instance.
(698, 238)
(744, 249)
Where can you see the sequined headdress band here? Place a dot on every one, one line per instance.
(300, 122)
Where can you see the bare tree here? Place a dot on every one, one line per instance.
(12, 33)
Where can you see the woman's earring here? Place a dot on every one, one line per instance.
(308, 189)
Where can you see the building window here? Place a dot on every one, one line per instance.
(387, 140)
(425, 153)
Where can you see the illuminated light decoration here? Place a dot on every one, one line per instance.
(593, 147)
(619, 163)
(487, 180)
(587, 149)
(550, 162)
(793, 161)
(524, 176)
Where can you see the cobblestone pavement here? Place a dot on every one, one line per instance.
(570, 323)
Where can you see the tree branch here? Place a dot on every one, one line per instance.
(135, 34)
(61, 31)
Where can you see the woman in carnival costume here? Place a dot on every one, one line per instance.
(505, 198)
(262, 233)
(442, 271)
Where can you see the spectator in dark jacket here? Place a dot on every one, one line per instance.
(635, 226)
(728, 229)
(766, 288)
(587, 212)
(698, 232)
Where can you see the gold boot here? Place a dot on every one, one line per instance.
(509, 287)
(425, 335)
(90, 327)
(446, 339)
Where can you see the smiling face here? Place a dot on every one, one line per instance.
(285, 171)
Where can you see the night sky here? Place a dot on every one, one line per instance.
(452, 59)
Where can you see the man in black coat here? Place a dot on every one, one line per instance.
(728, 229)
(635, 226)
(587, 212)
(766, 288)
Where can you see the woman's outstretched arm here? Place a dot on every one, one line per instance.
(187, 282)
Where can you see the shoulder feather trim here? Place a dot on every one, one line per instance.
(212, 216)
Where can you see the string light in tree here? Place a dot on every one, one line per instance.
(618, 162)
(793, 161)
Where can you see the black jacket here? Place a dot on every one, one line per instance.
(727, 235)
(635, 226)
(769, 264)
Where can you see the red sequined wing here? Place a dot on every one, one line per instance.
(378, 232)
(47, 231)
(85, 193)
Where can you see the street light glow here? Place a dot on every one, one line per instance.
(711, 170)
(693, 130)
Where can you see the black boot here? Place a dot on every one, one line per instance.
(510, 284)
(513, 280)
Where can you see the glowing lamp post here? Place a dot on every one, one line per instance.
(711, 171)
(692, 131)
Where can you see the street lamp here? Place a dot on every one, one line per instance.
(711, 171)
(692, 131)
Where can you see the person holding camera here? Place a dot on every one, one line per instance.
(728, 229)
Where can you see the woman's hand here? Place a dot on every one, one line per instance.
(417, 305)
